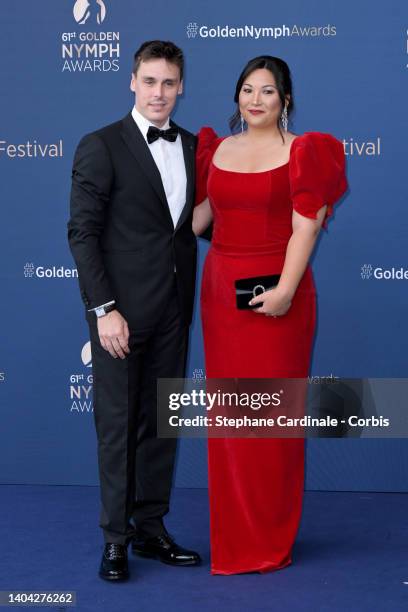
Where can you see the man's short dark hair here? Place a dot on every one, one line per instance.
(159, 49)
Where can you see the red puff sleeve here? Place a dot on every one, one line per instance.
(316, 173)
(208, 141)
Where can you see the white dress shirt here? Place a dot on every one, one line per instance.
(169, 160)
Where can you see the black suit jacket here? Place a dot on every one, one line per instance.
(121, 233)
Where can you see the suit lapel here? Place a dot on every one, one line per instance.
(140, 150)
(189, 155)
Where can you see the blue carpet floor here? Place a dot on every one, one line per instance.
(351, 555)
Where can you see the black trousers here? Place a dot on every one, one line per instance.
(136, 467)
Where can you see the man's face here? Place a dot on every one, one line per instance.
(156, 85)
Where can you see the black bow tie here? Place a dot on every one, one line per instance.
(153, 133)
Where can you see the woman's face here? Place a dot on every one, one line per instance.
(259, 101)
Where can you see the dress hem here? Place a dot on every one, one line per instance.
(262, 569)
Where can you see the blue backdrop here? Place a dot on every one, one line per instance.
(65, 70)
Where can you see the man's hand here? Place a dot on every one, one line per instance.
(114, 334)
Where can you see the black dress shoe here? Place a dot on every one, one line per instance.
(165, 549)
(114, 564)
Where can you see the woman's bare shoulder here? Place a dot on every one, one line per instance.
(232, 142)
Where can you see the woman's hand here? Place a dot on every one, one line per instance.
(276, 302)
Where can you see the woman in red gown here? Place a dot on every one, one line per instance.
(267, 192)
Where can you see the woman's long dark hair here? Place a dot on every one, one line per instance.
(280, 71)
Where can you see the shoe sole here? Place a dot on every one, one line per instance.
(114, 578)
(142, 553)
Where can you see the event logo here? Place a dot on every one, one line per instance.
(193, 30)
(198, 374)
(89, 11)
(30, 271)
(83, 51)
(368, 271)
(80, 385)
(86, 355)
(2, 377)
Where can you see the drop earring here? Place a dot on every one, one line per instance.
(242, 124)
(284, 119)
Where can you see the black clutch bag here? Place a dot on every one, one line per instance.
(247, 288)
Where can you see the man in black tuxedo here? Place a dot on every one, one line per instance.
(131, 236)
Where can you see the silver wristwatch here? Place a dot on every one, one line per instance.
(101, 311)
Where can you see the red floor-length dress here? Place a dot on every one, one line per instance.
(256, 485)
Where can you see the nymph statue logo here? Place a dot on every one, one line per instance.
(89, 11)
(86, 355)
